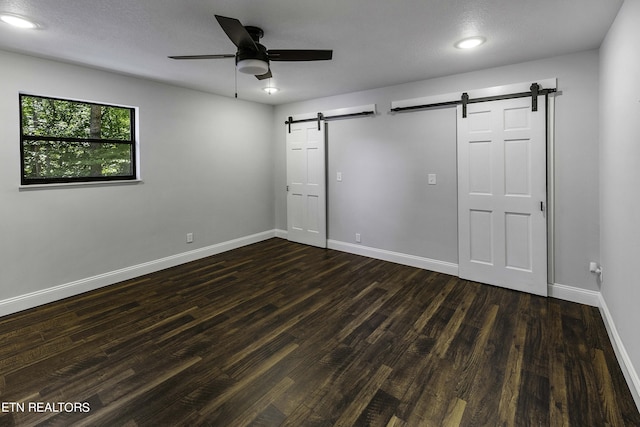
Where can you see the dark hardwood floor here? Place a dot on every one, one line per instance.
(283, 334)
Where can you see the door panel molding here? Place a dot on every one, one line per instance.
(502, 231)
(306, 184)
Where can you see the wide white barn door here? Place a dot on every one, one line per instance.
(306, 184)
(502, 200)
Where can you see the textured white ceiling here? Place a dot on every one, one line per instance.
(376, 43)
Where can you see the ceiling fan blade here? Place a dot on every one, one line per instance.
(264, 76)
(299, 55)
(230, 55)
(236, 32)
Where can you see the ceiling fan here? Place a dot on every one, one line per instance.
(253, 57)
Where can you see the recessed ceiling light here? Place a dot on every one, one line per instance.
(270, 89)
(470, 42)
(17, 21)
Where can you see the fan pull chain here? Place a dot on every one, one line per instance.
(235, 75)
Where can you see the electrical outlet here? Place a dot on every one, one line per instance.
(596, 269)
(358, 238)
(189, 237)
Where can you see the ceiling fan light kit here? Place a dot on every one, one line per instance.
(252, 66)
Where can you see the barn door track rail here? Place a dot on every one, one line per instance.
(321, 116)
(534, 91)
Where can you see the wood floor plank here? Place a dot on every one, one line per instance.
(451, 330)
(435, 395)
(559, 412)
(259, 370)
(262, 403)
(580, 375)
(269, 417)
(612, 413)
(534, 400)
(396, 422)
(470, 365)
(365, 314)
(413, 361)
(512, 381)
(360, 401)
(278, 333)
(112, 410)
(454, 413)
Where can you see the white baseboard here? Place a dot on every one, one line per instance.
(573, 294)
(45, 296)
(397, 257)
(281, 233)
(385, 255)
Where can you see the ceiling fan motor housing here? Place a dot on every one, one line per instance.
(256, 33)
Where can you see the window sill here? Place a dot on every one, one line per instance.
(78, 184)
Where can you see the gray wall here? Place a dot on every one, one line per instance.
(207, 166)
(620, 176)
(383, 196)
(211, 166)
(385, 161)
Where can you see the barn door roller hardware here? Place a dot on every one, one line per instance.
(535, 87)
(317, 118)
(534, 91)
(321, 116)
(465, 101)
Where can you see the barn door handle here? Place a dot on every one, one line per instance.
(542, 207)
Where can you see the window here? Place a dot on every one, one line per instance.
(72, 141)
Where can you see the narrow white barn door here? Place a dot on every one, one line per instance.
(306, 184)
(502, 228)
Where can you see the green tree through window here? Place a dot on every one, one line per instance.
(72, 141)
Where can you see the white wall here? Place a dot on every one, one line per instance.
(620, 176)
(207, 167)
(385, 161)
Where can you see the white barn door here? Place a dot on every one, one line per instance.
(502, 228)
(306, 184)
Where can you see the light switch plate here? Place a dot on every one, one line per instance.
(431, 179)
